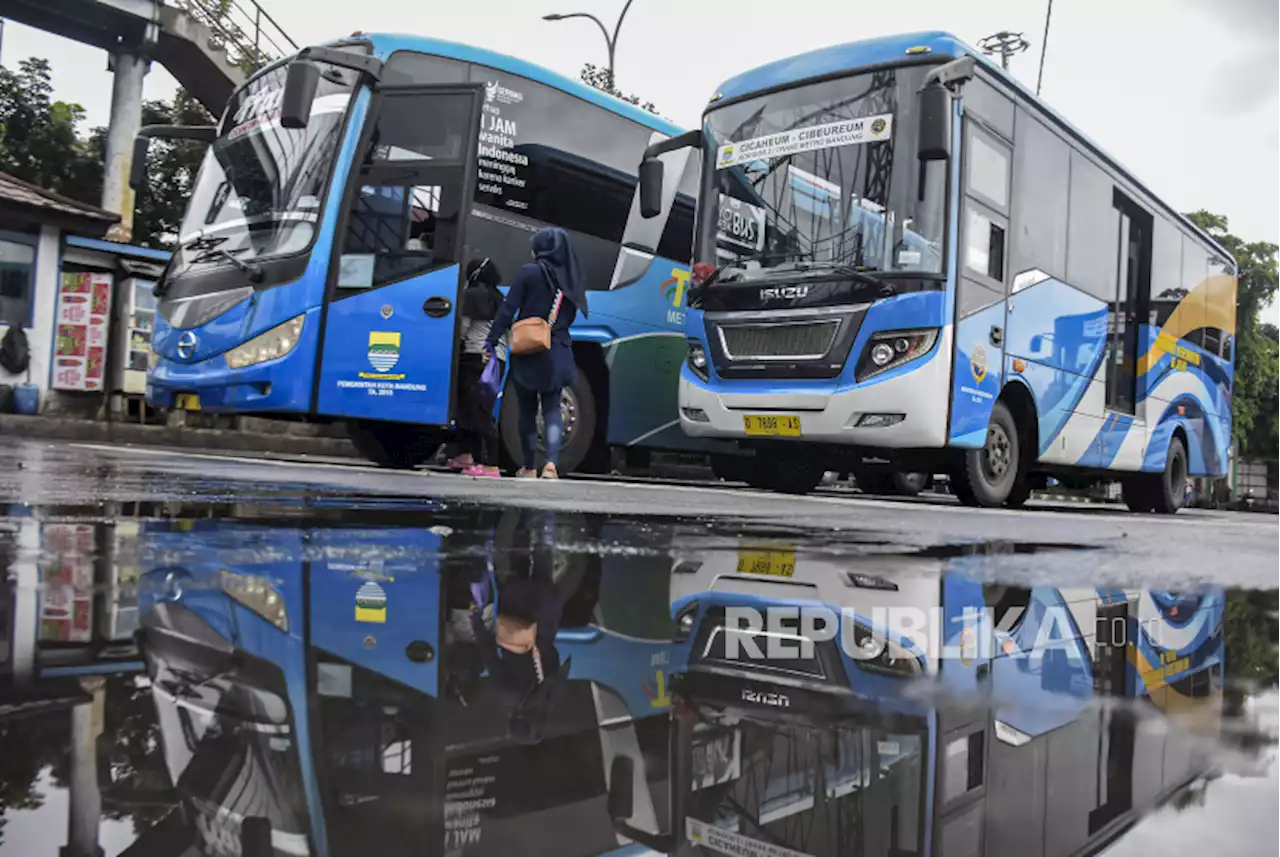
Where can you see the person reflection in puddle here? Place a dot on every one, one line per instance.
(515, 632)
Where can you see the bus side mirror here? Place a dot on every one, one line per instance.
(650, 188)
(933, 105)
(299, 92)
(622, 786)
(138, 167)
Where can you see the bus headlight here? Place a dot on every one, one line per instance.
(892, 348)
(698, 359)
(873, 653)
(685, 621)
(275, 343)
(257, 594)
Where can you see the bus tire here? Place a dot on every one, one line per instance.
(578, 403)
(986, 477)
(393, 445)
(1167, 488)
(1020, 494)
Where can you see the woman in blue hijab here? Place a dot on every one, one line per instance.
(552, 284)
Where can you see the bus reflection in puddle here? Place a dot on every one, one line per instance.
(318, 690)
(899, 707)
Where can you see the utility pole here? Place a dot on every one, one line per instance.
(1004, 43)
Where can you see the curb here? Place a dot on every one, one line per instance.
(48, 428)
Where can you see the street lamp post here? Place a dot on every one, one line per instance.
(611, 42)
(1044, 45)
(1005, 44)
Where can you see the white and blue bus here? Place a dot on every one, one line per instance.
(936, 715)
(344, 192)
(905, 260)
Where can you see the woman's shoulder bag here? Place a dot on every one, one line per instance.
(533, 335)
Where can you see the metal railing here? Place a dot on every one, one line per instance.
(242, 28)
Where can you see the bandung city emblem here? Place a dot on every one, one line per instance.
(384, 350)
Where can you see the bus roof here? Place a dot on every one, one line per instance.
(851, 56)
(385, 44)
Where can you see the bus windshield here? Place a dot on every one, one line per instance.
(232, 753)
(260, 187)
(821, 791)
(819, 175)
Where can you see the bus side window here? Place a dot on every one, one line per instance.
(550, 158)
(676, 242)
(396, 231)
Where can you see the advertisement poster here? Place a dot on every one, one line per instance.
(84, 319)
(66, 584)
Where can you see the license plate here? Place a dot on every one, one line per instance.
(769, 563)
(716, 758)
(771, 425)
(186, 402)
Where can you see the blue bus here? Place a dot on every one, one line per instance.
(346, 189)
(316, 691)
(902, 256)
(997, 721)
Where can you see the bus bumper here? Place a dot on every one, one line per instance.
(919, 392)
(278, 386)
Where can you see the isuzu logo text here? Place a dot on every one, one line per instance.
(764, 697)
(790, 293)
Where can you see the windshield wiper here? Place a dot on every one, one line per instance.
(253, 269)
(738, 260)
(203, 242)
(853, 272)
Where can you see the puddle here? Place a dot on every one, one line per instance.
(304, 671)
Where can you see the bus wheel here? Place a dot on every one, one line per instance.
(394, 446)
(1020, 494)
(1159, 492)
(578, 410)
(1166, 490)
(986, 477)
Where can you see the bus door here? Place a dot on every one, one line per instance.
(391, 316)
(375, 604)
(981, 277)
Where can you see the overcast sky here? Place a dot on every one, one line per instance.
(1182, 92)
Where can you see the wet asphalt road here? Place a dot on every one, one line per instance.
(1233, 549)
(187, 748)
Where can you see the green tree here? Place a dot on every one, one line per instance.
(172, 166)
(40, 142)
(601, 79)
(1254, 399)
(39, 138)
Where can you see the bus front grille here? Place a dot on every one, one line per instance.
(790, 340)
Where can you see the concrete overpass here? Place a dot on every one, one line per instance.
(209, 46)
